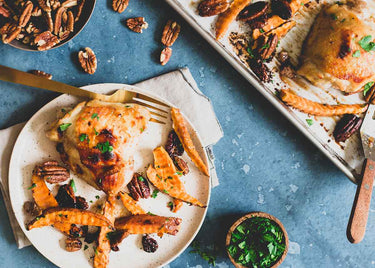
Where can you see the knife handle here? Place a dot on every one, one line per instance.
(361, 205)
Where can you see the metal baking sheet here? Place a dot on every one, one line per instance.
(347, 156)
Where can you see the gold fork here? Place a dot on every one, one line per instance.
(156, 108)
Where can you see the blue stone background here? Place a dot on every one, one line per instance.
(263, 162)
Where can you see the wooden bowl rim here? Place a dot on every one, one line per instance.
(261, 215)
(19, 45)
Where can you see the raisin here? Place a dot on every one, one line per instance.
(81, 203)
(174, 145)
(149, 244)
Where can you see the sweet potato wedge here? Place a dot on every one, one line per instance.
(314, 108)
(148, 224)
(163, 162)
(184, 136)
(280, 28)
(172, 186)
(271, 23)
(51, 216)
(41, 194)
(101, 258)
(130, 204)
(226, 18)
(177, 205)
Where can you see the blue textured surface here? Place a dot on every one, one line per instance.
(263, 162)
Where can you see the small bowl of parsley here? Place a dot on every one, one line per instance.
(257, 240)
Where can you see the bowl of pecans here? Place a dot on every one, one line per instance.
(43, 24)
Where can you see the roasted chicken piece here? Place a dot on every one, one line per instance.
(338, 51)
(97, 140)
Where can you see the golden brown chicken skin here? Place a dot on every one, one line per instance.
(332, 55)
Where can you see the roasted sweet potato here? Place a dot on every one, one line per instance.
(184, 136)
(148, 224)
(101, 258)
(41, 194)
(271, 23)
(314, 108)
(130, 204)
(177, 205)
(226, 18)
(52, 216)
(163, 162)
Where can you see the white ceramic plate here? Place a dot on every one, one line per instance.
(33, 147)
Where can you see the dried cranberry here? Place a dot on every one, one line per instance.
(149, 244)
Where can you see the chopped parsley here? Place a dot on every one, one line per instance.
(157, 175)
(97, 196)
(179, 173)
(155, 193)
(96, 251)
(73, 185)
(333, 16)
(84, 137)
(367, 87)
(141, 129)
(65, 126)
(85, 247)
(96, 132)
(356, 54)
(140, 178)
(170, 205)
(165, 191)
(266, 45)
(261, 30)
(95, 115)
(32, 186)
(310, 122)
(366, 43)
(60, 215)
(205, 255)
(250, 51)
(257, 242)
(149, 213)
(104, 147)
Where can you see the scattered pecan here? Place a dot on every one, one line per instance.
(9, 32)
(253, 11)
(116, 237)
(120, 5)
(49, 21)
(73, 244)
(208, 8)
(181, 165)
(58, 19)
(45, 5)
(137, 24)
(88, 61)
(267, 46)
(4, 11)
(165, 55)
(41, 74)
(76, 231)
(149, 244)
(170, 33)
(32, 208)
(346, 127)
(286, 67)
(282, 8)
(46, 40)
(174, 145)
(65, 196)
(26, 14)
(52, 172)
(261, 70)
(81, 203)
(138, 187)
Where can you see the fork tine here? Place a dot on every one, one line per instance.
(150, 106)
(157, 121)
(160, 115)
(146, 98)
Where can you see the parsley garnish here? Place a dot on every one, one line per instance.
(96, 132)
(157, 175)
(333, 16)
(261, 30)
(366, 43)
(155, 193)
(310, 122)
(205, 255)
(104, 147)
(251, 54)
(179, 173)
(356, 54)
(97, 196)
(73, 185)
(95, 115)
(149, 213)
(32, 186)
(96, 251)
(165, 191)
(65, 126)
(84, 137)
(266, 45)
(140, 178)
(170, 205)
(367, 87)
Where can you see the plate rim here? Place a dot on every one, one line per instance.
(115, 87)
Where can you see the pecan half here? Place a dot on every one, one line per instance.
(209, 8)
(88, 61)
(253, 11)
(181, 165)
(9, 32)
(41, 74)
(49, 21)
(170, 33)
(73, 244)
(261, 70)
(286, 67)
(267, 46)
(37, 12)
(26, 14)
(32, 208)
(69, 3)
(55, 4)
(45, 5)
(52, 172)
(58, 19)
(70, 22)
(137, 24)
(346, 127)
(370, 95)
(79, 9)
(120, 5)
(76, 231)
(174, 145)
(4, 11)
(165, 55)
(138, 187)
(282, 8)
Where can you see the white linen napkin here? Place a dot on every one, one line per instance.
(178, 87)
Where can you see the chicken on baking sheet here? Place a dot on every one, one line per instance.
(339, 50)
(97, 139)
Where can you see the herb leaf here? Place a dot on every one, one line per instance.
(65, 126)
(95, 115)
(356, 54)
(73, 185)
(83, 137)
(310, 122)
(104, 147)
(32, 186)
(205, 255)
(367, 87)
(366, 43)
(155, 193)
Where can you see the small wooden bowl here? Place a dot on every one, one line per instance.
(87, 11)
(261, 215)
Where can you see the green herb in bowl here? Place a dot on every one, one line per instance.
(257, 240)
